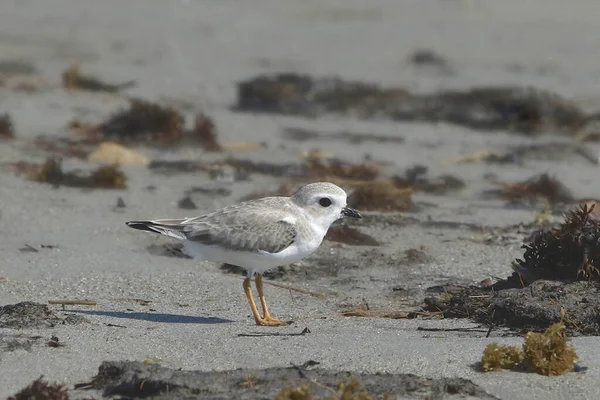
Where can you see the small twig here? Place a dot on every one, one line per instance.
(474, 329)
(64, 303)
(491, 323)
(297, 289)
(73, 302)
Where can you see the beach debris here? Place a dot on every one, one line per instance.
(28, 314)
(325, 169)
(186, 204)
(134, 379)
(352, 389)
(538, 151)
(205, 133)
(526, 110)
(351, 236)
(547, 353)
(41, 390)
(500, 357)
(144, 121)
(104, 177)
(141, 302)
(211, 191)
(64, 147)
(6, 127)
(73, 80)
(301, 135)
(116, 154)
(120, 203)
(568, 252)
(509, 303)
(54, 342)
(530, 191)
(64, 303)
(427, 58)
(380, 195)
(28, 249)
(363, 310)
(415, 178)
(416, 256)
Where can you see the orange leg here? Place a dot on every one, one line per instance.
(259, 320)
(261, 296)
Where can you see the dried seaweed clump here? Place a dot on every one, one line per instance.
(569, 252)
(205, 132)
(545, 353)
(295, 393)
(40, 390)
(517, 109)
(416, 178)
(541, 186)
(317, 167)
(105, 177)
(351, 236)
(145, 120)
(351, 390)
(108, 177)
(549, 353)
(499, 357)
(6, 127)
(74, 80)
(382, 195)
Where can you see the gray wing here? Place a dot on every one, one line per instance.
(249, 226)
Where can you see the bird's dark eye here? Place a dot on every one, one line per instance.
(325, 202)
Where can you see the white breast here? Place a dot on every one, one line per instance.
(306, 242)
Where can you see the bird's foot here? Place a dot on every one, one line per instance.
(270, 321)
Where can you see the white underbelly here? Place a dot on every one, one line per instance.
(255, 261)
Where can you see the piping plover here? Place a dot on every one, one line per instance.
(258, 235)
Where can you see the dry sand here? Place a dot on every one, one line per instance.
(195, 52)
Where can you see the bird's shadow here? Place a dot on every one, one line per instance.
(156, 317)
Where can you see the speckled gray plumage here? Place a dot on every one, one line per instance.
(252, 226)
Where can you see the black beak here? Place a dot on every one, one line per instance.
(351, 212)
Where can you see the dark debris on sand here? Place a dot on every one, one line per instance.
(416, 178)
(6, 127)
(146, 122)
(301, 135)
(139, 380)
(556, 280)
(40, 390)
(104, 177)
(345, 234)
(530, 191)
(569, 252)
(380, 195)
(73, 80)
(28, 314)
(517, 109)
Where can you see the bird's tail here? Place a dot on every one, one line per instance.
(170, 228)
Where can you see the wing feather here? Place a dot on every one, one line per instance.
(249, 226)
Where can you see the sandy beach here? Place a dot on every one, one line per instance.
(155, 306)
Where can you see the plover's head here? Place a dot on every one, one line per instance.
(324, 202)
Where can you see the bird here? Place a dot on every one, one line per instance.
(259, 235)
